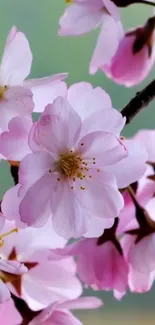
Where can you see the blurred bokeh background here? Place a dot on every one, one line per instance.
(38, 19)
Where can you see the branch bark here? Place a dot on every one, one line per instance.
(141, 100)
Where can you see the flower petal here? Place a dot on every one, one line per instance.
(85, 100)
(4, 292)
(105, 147)
(131, 168)
(79, 19)
(17, 102)
(60, 123)
(107, 43)
(34, 208)
(17, 59)
(14, 143)
(109, 120)
(68, 211)
(45, 90)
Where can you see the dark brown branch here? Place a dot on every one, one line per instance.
(141, 100)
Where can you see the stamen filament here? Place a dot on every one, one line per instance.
(9, 232)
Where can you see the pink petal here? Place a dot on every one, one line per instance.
(60, 123)
(143, 251)
(10, 205)
(112, 9)
(14, 143)
(109, 120)
(82, 303)
(68, 211)
(34, 166)
(34, 208)
(4, 292)
(122, 66)
(45, 285)
(17, 102)
(78, 20)
(97, 226)
(105, 147)
(132, 167)
(101, 197)
(17, 59)
(13, 267)
(85, 100)
(46, 90)
(105, 49)
(147, 138)
(61, 317)
(9, 314)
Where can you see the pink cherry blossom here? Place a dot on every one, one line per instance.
(9, 314)
(100, 266)
(81, 17)
(95, 109)
(136, 49)
(70, 173)
(46, 281)
(59, 313)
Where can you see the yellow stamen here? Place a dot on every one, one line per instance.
(68, 1)
(9, 232)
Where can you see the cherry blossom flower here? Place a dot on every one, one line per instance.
(136, 49)
(59, 313)
(9, 314)
(95, 109)
(81, 17)
(46, 281)
(71, 173)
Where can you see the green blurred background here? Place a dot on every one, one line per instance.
(38, 19)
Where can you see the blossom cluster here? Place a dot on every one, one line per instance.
(75, 177)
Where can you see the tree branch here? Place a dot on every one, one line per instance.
(141, 100)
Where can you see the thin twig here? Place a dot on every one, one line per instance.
(141, 100)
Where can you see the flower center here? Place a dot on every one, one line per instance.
(68, 1)
(2, 91)
(69, 164)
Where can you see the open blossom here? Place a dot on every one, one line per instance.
(134, 57)
(81, 17)
(71, 180)
(59, 313)
(95, 109)
(16, 96)
(9, 314)
(45, 281)
(100, 266)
